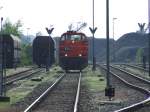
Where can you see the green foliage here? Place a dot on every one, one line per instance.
(26, 54)
(93, 82)
(139, 55)
(26, 51)
(9, 28)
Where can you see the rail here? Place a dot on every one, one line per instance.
(38, 100)
(77, 95)
(135, 106)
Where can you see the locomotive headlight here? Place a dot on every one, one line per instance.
(80, 54)
(66, 55)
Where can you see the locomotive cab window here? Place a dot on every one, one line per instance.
(63, 38)
(73, 37)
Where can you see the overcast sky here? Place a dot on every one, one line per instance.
(38, 14)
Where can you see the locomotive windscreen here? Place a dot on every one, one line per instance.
(73, 37)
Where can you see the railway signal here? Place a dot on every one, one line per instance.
(49, 31)
(93, 30)
(94, 59)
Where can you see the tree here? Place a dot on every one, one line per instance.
(26, 54)
(9, 28)
(139, 55)
(26, 51)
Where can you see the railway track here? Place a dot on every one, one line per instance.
(136, 67)
(62, 96)
(131, 78)
(136, 83)
(21, 75)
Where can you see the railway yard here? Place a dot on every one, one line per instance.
(58, 57)
(57, 91)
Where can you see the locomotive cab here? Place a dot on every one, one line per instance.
(73, 54)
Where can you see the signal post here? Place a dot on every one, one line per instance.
(2, 67)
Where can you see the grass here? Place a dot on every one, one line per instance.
(93, 80)
(17, 94)
(90, 78)
(26, 86)
(4, 105)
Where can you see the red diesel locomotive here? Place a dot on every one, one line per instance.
(73, 51)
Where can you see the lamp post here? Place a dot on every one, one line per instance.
(28, 33)
(114, 57)
(114, 27)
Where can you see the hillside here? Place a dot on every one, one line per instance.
(100, 48)
(124, 49)
(128, 46)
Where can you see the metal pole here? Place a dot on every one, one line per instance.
(109, 90)
(149, 35)
(2, 62)
(149, 51)
(107, 35)
(93, 41)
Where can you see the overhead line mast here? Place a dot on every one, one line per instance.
(149, 34)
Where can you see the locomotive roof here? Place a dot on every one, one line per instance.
(73, 32)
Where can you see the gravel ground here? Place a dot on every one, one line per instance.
(97, 102)
(62, 97)
(91, 101)
(145, 109)
(24, 103)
